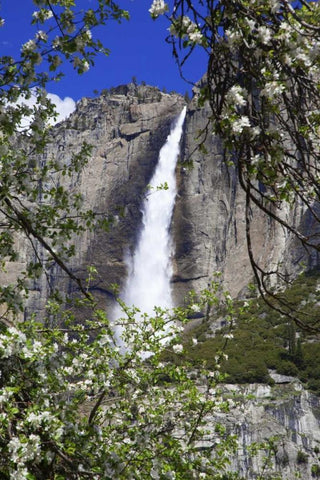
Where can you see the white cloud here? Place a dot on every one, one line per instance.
(64, 106)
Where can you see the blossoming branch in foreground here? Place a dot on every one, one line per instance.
(239, 124)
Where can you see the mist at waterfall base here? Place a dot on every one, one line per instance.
(150, 267)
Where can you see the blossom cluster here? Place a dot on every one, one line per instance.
(29, 46)
(158, 7)
(184, 26)
(42, 14)
(236, 96)
(69, 374)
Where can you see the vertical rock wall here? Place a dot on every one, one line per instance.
(284, 420)
(209, 219)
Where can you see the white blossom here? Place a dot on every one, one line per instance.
(233, 37)
(44, 13)
(41, 35)
(285, 32)
(17, 334)
(24, 450)
(88, 34)
(192, 30)
(315, 51)
(29, 46)
(240, 124)
(178, 328)
(195, 308)
(255, 131)
(104, 339)
(196, 36)
(251, 23)
(177, 348)
(228, 336)
(302, 56)
(158, 7)
(272, 89)
(85, 65)
(11, 342)
(44, 419)
(56, 42)
(5, 395)
(21, 473)
(154, 474)
(236, 96)
(170, 475)
(264, 34)
(184, 26)
(36, 346)
(275, 5)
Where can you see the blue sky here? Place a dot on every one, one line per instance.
(138, 48)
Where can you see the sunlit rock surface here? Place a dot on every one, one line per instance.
(209, 219)
(286, 419)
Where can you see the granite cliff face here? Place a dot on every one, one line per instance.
(285, 419)
(209, 219)
(127, 129)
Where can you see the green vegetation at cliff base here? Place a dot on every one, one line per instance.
(262, 340)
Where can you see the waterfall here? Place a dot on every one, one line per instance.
(149, 268)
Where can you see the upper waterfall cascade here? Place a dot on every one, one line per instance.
(149, 268)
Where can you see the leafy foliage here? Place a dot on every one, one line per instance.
(74, 406)
(256, 339)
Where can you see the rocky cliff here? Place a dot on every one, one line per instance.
(209, 219)
(284, 421)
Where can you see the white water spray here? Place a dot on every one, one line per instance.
(149, 269)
